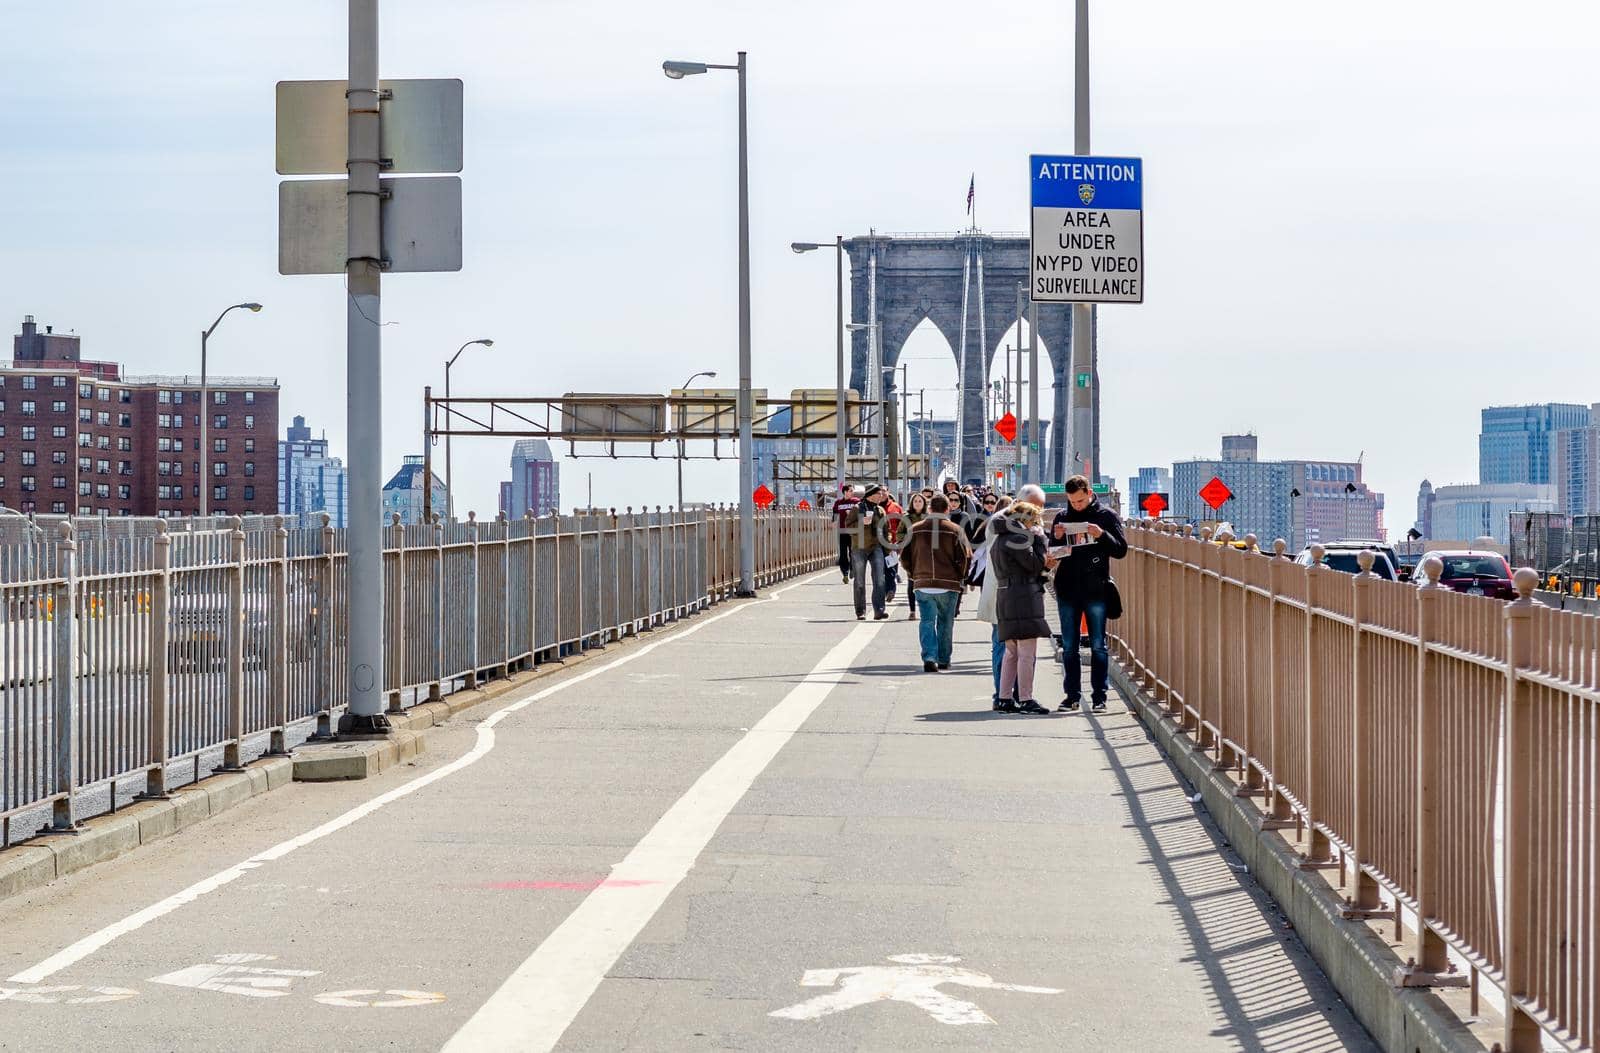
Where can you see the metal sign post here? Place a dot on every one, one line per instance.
(360, 226)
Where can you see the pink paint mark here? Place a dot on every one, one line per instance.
(565, 886)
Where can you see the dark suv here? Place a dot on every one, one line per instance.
(1475, 573)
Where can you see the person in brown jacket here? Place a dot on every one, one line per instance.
(937, 558)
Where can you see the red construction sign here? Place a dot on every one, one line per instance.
(1153, 504)
(804, 505)
(1215, 493)
(764, 497)
(1007, 428)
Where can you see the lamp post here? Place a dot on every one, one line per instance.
(839, 406)
(747, 513)
(703, 373)
(449, 483)
(871, 378)
(205, 408)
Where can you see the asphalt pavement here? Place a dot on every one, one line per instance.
(764, 829)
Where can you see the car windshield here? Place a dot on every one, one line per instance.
(1346, 561)
(1474, 567)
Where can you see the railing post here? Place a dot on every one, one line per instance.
(436, 685)
(155, 783)
(1522, 1031)
(395, 663)
(505, 594)
(1318, 852)
(532, 593)
(278, 664)
(577, 544)
(1281, 812)
(472, 603)
(1430, 959)
(64, 677)
(231, 760)
(1364, 900)
(325, 614)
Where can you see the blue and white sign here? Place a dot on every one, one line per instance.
(1088, 229)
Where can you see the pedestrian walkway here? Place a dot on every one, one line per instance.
(766, 829)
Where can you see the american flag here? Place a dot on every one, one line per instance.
(972, 189)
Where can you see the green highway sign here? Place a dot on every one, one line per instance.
(1100, 488)
(1053, 488)
(1083, 380)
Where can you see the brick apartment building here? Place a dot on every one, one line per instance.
(77, 436)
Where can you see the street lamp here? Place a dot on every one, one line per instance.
(703, 373)
(871, 329)
(839, 406)
(205, 405)
(747, 512)
(449, 485)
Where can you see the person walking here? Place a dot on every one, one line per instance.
(1083, 588)
(841, 514)
(1017, 560)
(937, 558)
(985, 579)
(868, 529)
(916, 512)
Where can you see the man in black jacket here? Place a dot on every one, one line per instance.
(1082, 584)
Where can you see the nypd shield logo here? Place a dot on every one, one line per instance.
(1086, 193)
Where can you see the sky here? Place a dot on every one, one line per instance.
(1364, 221)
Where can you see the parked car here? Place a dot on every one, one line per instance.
(1408, 565)
(1476, 573)
(1344, 556)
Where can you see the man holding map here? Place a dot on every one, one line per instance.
(1085, 536)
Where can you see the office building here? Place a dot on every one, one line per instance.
(1575, 467)
(1516, 444)
(1464, 513)
(309, 479)
(1299, 501)
(535, 483)
(1148, 481)
(403, 492)
(79, 437)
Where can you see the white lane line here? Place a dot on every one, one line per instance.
(537, 1003)
(93, 942)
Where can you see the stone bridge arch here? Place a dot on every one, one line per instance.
(906, 278)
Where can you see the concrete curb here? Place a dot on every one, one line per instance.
(1358, 962)
(43, 859)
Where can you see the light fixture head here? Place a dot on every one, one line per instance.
(803, 246)
(254, 307)
(680, 70)
(486, 343)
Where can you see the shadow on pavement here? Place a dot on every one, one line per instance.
(1268, 999)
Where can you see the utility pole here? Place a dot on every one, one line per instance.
(839, 409)
(1036, 444)
(1082, 377)
(364, 383)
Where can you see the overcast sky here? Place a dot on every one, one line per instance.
(1365, 220)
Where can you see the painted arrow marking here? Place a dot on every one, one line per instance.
(915, 980)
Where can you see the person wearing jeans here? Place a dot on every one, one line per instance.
(870, 529)
(1082, 585)
(937, 558)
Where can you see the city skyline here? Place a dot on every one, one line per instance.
(1373, 276)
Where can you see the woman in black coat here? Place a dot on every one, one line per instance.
(1017, 559)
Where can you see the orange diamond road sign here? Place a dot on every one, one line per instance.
(804, 505)
(1215, 493)
(764, 497)
(1007, 427)
(1154, 504)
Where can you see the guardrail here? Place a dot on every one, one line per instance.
(1435, 747)
(125, 652)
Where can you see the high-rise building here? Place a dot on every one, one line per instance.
(1465, 513)
(1515, 445)
(1299, 501)
(78, 437)
(1575, 468)
(403, 492)
(1424, 523)
(535, 482)
(1148, 481)
(309, 480)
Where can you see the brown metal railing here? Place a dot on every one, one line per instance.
(1439, 751)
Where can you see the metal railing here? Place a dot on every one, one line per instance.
(124, 652)
(1436, 747)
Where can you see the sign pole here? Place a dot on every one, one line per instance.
(364, 382)
(747, 471)
(1082, 313)
(839, 407)
(1036, 444)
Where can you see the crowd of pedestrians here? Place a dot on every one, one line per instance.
(1015, 552)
